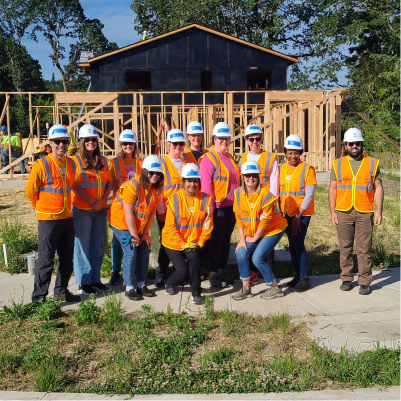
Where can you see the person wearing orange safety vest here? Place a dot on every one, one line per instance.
(269, 173)
(125, 166)
(172, 165)
(194, 150)
(355, 186)
(189, 224)
(90, 193)
(297, 202)
(260, 226)
(49, 191)
(130, 216)
(219, 179)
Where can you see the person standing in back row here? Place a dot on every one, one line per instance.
(355, 186)
(194, 150)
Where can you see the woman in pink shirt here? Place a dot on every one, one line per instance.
(219, 178)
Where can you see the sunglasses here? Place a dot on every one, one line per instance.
(251, 175)
(224, 139)
(255, 139)
(87, 140)
(178, 144)
(152, 173)
(62, 141)
(351, 144)
(127, 143)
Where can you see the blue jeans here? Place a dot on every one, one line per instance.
(5, 160)
(297, 246)
(116, 254)
(88, 250)
(135, 260)
(257, 251)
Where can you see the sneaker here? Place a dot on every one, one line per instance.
(196, 297)
(242, 294)
(86, 290)
(99, 286)
(364, 289)
(67, 296)
(144, 291)
(346, 286)
(170, 289)
(293, 282)
(254, 277)
(133, 295)
(225, 277)
(159, 282)
(272, 292)
(302, 285)
(115, 278)
(217, 281)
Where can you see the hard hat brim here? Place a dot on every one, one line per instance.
(179, 139)
(57, 136)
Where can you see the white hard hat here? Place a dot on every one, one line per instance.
(127, 136)
(250, 167)
(190, 170)
(194, 128)
(221, 129)
(352, 135)
(293, 142)
(253, 129)
(88, 131)
(58, 131)
(152, 163)
(175, 135)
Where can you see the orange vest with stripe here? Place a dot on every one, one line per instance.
(142, 209)
(265, 162)
(55, 193)
(92, 181)
(188, 156)
(355, 191)
(251, 216)
(292, 192)
(188, 225)
(121, 173)
(221, 175)
(172, 178)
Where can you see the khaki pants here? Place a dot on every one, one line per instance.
(353, 224)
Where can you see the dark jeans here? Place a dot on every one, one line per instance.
(183, 264)
(54, 235)
(219, 246)
(163, 259)
(297, 246)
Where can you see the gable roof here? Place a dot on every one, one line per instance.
(290, 60)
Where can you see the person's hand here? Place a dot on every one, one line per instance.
(378, 218)
(100, 204)
(295, 225)
(95, 205)
(161, 217)
(241, 244)
(146, 238)
(135, 239)
(250, 239)
(334, 219)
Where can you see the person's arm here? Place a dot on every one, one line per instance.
(296, 221)
(207, 227)
(207, 171)
(332, 202)
(114, 186)
(274, 179)
(129, 219)
(100, 203)
(161, 210)
(145, 234)
(379, 197)
(240, 225)
(35, 180)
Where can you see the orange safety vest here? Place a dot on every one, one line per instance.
(55, 193)
(119, 167)
(221, 175)
(92, 181)
(142, 209)
(189, 225)
(172, 178)
(265, 162)
(188, 156)
(292, 192)
(355, 191)
(251, 216)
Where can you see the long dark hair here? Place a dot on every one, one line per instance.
(145, 181)
(85, 156)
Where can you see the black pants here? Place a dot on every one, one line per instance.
(183, 264)
(269, 260)
(54, 235)
(163, 259)
(219, 245)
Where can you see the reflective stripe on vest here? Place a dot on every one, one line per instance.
(367, 188)
(178, 217)
(168, 178)
(118, 169)
(266, 178)
(85, 183)
(49, 182)
(216, 175)
(301, 191)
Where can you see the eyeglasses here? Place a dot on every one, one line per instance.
(251, 175)
(62, 141)
(127, 144)
(178, 144)
(224, 139)
(255, 139)
(90, 140)
(151, 173)
(351, 144)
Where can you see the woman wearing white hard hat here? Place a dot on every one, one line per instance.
(189, 224)
(261, 227)
(194, 150)
(172, 165)
(125, 166)
(130, 216)
(269, 172)
(297, 189)
(219, 178)
(90, 193)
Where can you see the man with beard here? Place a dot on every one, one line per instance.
(355, 186)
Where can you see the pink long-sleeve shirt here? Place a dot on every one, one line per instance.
(207, 170)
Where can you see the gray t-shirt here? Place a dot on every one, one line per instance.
(355, 164)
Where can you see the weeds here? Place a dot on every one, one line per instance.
(220, 356)
(88, 312)
(51, 376)
(209, 307)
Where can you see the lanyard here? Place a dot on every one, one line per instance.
(186, 205)
(252, 211)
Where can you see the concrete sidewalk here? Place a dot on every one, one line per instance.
(335, 318)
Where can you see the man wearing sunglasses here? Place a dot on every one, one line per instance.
(355, 186)
(49, 191)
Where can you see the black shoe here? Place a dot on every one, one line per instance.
(67, 296)
(159, 282)
(99, 286)
(196, 297)
(145, 292)
(364, 289)
(115, 279)
(293, 282)
(302, 285)
(86, 290)
(225, 277)
(346, 286)
(133, 295)
(217, 281)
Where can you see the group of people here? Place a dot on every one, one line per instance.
(16, 149)
(198, 197)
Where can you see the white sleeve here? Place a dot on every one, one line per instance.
(309, 194)
(274, 179)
